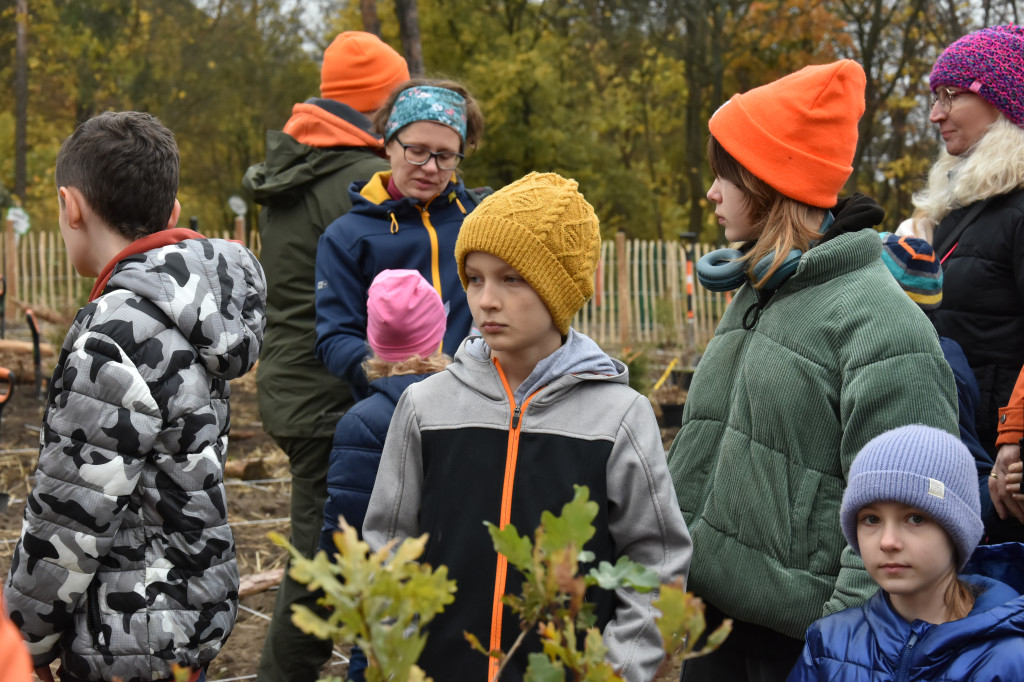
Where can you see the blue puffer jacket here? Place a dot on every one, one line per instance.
(872, 642)
(380, 233)
(355, 454)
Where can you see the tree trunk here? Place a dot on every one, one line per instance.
(409, 29)
(371, 22)
(21, 100)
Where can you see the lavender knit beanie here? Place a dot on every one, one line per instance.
(922, 467)
(990, 63)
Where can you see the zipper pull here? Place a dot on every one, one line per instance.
(903, 672)
(515, 418)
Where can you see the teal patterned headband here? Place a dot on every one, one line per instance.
(427, 103)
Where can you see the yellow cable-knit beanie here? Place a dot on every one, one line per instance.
(543, 227)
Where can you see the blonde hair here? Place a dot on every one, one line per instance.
(993, 166)
(959, 598)
(375, 368)
(782, 224)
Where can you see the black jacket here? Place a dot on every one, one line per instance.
(983, 300)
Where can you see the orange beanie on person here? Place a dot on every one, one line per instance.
(361, 70)
(799, 133)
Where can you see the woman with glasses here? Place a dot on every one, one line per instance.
(407, 217)
(972, 211)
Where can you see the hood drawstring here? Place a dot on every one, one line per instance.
(461, 207)
(394, 222)
(753, 313)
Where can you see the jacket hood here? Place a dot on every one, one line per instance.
(853, 213)
(326, 123)
(213, 291)
(305, 150)
(578, 359)
(995, 574)
(394, 386)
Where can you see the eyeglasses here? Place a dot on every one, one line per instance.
(418, 156)
(945, 98)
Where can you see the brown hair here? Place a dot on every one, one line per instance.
(125, 164)
(474, 117)
(959, 598)
(782, 224)
(375, 368)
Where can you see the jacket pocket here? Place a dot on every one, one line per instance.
(800, 531)
(92, 616)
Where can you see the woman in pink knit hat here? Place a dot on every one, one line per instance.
(972, 211)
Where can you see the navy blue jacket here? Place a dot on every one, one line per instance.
(355, 454)
(377, 234)
(873, 642)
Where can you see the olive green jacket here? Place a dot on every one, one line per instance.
(303, 189)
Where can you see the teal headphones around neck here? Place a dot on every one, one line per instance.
(721, 270)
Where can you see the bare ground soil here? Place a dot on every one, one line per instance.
(255, 508)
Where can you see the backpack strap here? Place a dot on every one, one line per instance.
(950, 239)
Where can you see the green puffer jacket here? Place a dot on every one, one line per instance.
(775, 416)
(303, 188)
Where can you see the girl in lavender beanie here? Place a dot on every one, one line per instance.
(910, 511)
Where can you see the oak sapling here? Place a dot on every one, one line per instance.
(552, 601)
(380, 601)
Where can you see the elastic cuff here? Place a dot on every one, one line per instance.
(1011, 425)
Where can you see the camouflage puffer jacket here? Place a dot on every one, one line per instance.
(126, 563)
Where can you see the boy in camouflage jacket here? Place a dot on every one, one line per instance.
(126, 564)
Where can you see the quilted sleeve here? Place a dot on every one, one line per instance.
(646, 526)
(99, 420)
(878, 396)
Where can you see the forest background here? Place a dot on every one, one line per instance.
(615, 93)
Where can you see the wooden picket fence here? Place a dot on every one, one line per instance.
(40, 274)
(645, 291)
(646, 294)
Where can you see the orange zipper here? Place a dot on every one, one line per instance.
(511, 457)
(435, 268)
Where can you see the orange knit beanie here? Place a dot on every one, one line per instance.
(799, 133)
(361, 70)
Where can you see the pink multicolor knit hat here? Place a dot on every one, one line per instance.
(404, 316)
(990, 63)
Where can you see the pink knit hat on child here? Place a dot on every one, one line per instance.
(405, 316)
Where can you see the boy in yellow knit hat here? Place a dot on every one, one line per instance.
(528, 409)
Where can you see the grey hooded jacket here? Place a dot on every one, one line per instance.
(126, 563)
(462, 450)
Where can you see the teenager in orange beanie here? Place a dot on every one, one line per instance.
(818, 353)
(326, 145)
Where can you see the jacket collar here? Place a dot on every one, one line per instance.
(578, 359)
(375, 190)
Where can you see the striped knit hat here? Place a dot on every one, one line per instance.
(922, 467)
(914, 265)
(989, 63)
(544, 228)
